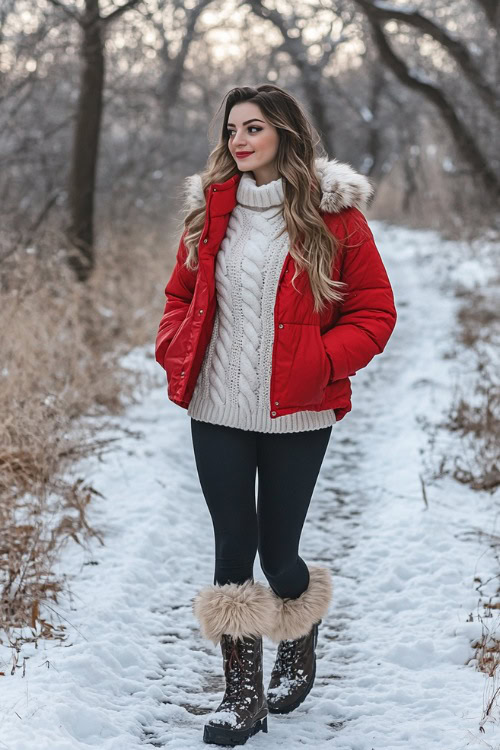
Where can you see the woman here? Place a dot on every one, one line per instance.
(278, 295)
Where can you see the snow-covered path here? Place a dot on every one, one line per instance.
(393, 653)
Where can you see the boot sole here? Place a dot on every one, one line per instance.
(296, 703)
(215, 735)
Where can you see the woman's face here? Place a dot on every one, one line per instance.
(250, 133)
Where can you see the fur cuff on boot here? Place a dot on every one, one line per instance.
(240, 610)
(295, 617)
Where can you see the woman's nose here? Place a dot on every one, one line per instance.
(238, 142)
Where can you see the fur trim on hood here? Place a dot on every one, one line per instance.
(341, 187)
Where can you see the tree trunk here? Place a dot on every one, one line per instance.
(86, 144)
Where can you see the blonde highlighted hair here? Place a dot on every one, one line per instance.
(312, 246)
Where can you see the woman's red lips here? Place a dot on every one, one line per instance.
(242, 154)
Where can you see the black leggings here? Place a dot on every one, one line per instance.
(288, 464)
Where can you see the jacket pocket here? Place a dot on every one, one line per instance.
(302, 365)
(176, 350)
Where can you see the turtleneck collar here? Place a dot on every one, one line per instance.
(259, 196)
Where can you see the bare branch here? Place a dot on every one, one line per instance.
(174, 68)
(311, 72)
(119, 11)
(419, 81)
(69, 11)
(454, 46)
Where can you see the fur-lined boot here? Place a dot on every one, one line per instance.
(237, 616)
(296, 630)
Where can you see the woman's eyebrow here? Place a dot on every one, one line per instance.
(231, 125)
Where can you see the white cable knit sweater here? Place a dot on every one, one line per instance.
(233, 387)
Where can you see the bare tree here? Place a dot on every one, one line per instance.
(84, 155)
(465, 138)
(174, 65)
(456, 48)
(311, 72)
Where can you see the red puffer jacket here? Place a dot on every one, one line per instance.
(313, 355)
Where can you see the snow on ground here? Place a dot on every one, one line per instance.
(394, 667)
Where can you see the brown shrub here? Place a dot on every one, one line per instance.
(61, 368)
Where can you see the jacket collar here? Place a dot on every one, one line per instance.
(341, 187)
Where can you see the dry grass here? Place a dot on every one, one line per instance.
(473, 414)
(61, 368)
(487, 647)
(465, 445)
(476, 415)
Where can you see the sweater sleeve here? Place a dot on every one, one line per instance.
(368, 313)
(179, 293)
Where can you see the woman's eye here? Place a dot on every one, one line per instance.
(252, 127)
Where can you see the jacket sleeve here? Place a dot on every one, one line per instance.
(368, 313)
(179, 293)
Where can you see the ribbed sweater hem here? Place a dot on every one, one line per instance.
(259, 421)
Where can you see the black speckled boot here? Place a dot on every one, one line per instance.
(296, 631)
(293, 674)
(237, 616)
(243, 710)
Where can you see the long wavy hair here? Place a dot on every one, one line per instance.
(312, 246)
